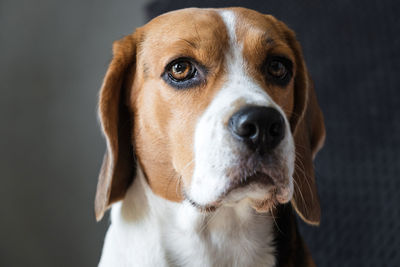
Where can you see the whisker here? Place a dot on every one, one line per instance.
(274, 219)
(301, 194)
(209, 220)
(303, 171)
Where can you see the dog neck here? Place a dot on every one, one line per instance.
(178, 234)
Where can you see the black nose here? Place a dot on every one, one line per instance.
(260, 128)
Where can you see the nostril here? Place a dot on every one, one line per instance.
(275, 130)
(243, 127)
(247, 130)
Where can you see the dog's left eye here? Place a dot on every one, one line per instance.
(278, 70)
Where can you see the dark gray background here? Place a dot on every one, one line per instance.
(352, 49)
(53, 55)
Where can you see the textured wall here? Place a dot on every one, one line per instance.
(52, 61)
(352, 49)
(53, 55)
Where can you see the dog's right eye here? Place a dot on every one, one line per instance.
(181, 70)
(183, 73)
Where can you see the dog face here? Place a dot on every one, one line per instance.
(216, 107)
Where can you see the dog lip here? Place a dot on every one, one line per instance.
(257, 177)
(203, 208)
(284, 195)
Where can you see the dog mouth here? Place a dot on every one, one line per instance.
(259, 188)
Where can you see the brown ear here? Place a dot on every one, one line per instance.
(119, 166)
(309, 136)
(308, 129)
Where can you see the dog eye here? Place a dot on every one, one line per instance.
(279, 70)
(181, 70)
(184, 73)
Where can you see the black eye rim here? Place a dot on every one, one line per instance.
(196, 77)
(279, 80)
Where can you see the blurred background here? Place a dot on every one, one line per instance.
(54, 55)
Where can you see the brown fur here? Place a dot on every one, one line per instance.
(146, 120)
(267, 35)
(141, 113)
(163, 134)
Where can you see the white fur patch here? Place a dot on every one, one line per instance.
(214, 148)
(148, 230)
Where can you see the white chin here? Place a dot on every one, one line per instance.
(252, 191)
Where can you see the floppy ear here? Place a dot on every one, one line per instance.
(118, 169)
(308, 129)
(309, 136)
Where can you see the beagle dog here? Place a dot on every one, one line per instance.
(211, 123)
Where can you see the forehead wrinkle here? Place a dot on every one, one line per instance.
(264, 29)
(259, 34)
(190, 43)
(179, 48)
(267, 39)
(260, 39)
(202, 38)
(262, 46)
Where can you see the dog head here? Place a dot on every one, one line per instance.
(216, 106)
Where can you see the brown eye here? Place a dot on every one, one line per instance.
(181, 71)
(184, 73)
(277, 69)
